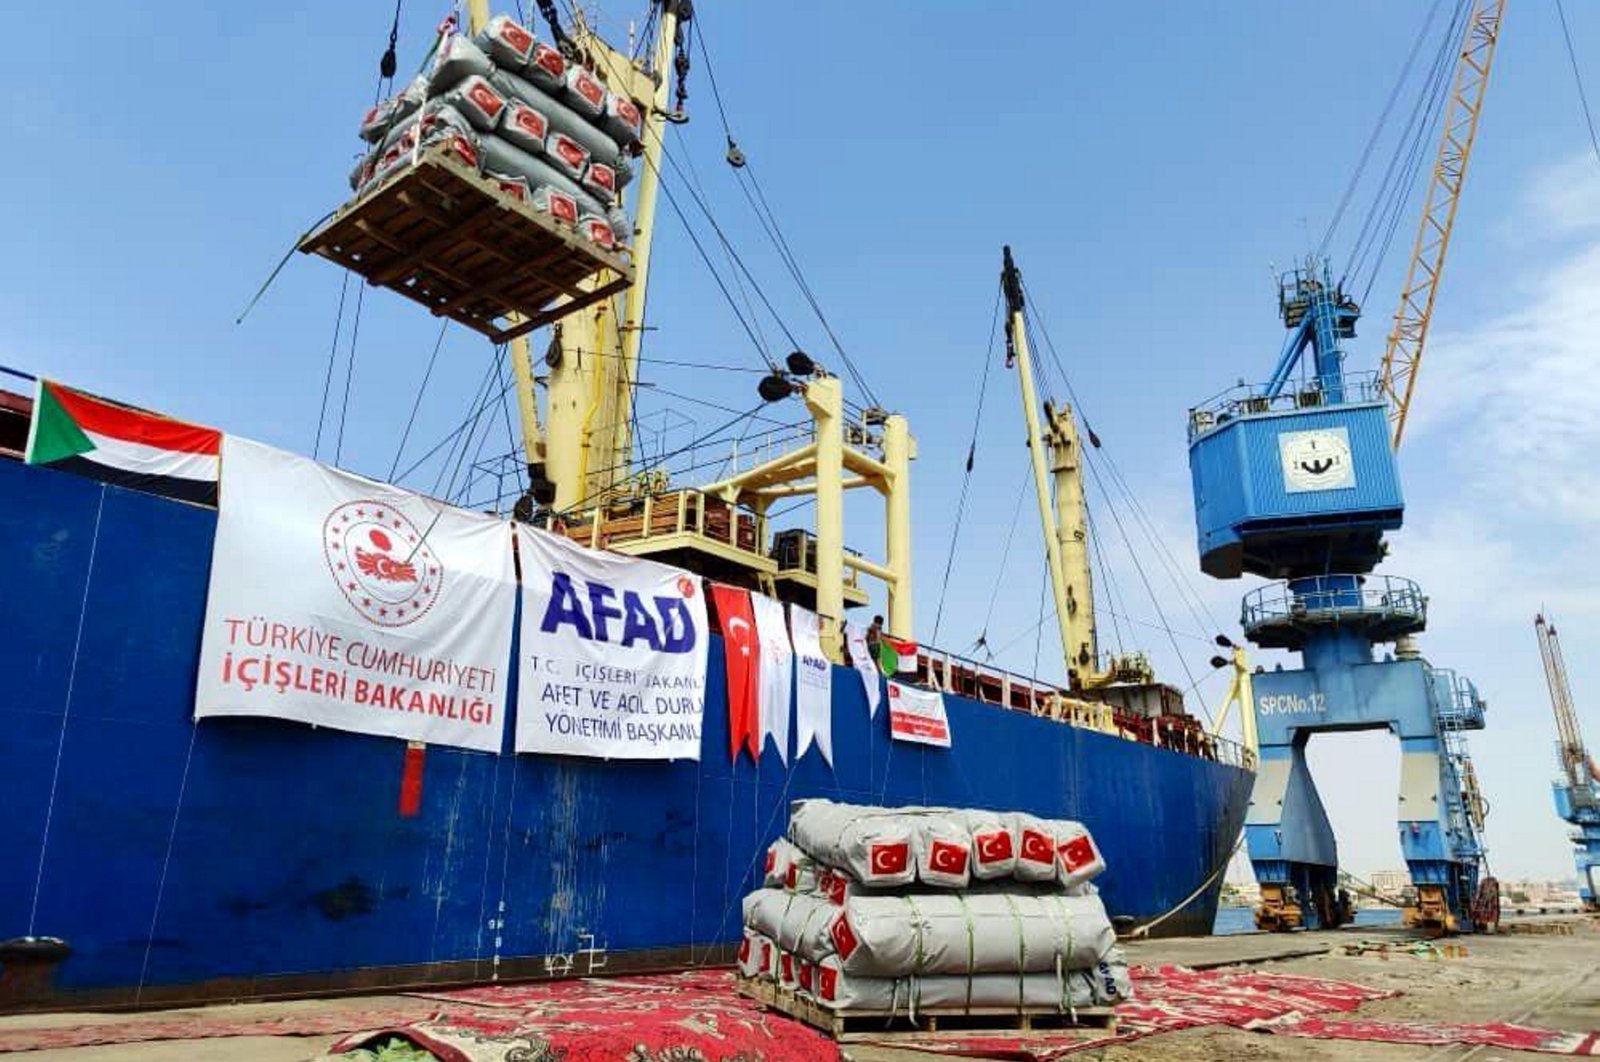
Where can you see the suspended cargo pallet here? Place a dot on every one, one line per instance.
(443, 235)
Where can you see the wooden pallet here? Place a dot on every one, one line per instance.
(848, 1026)
(443, 235)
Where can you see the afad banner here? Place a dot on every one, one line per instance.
(351, 604)
(916, 714)
(613, 654)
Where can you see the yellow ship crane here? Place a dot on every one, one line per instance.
(1402, 357)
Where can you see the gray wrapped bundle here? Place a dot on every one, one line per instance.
(780, 854)
(477, 101)
(558, 205)
(439, 115)
(505, 159)
(956, 933)
(757, 955)
(456, 60)
(563, 119)
(506, 41)
(994, 844)
(797, 922)
(943, 850)
(584, 93)
(874, 846)
(386, 114)
(1104, 984)
(622, 121)
(524, 126)
(546, 69)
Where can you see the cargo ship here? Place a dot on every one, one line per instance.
(155, 858)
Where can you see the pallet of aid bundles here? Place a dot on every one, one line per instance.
(491, 186)
(873, 919)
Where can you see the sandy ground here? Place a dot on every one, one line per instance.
(1545, 980)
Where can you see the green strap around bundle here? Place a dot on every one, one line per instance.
(966, 916)
(1022, 950)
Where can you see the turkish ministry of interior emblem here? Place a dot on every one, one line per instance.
(382, 563)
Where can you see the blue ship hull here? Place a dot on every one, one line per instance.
(246, 857)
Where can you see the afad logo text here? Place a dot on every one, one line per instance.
(598, 613)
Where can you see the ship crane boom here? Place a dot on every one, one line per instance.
(1402, 356)
(1577, 767)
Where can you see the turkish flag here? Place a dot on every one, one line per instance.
(947, 857)
(1078, 852)
(1037, 847)
(889, 857)
(843, 936)
(741, 651)
(994, 846)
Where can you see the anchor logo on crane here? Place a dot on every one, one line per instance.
(1316, 460)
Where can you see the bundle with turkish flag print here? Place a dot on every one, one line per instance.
(990, 908)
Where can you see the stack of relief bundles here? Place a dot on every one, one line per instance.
(889, 909)
(546, 131)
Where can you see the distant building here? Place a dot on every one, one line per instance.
(1390, 882)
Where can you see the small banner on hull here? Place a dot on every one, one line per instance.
(613, 654)
(916, 714)
(352, 604)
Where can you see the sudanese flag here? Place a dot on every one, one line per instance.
(742, 653)
(78, 432)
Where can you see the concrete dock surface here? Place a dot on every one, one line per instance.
(1529, 975)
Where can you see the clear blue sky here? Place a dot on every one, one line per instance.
(1148, 168)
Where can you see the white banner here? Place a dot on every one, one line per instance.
(861, 659)
(776, 682)
(916, 714)
(613, 654)
(352, 604)
(813, 685)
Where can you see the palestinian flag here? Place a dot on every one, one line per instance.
(896, 657)
(78, 432)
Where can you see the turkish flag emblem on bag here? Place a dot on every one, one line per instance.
(844, 938)
(994, 846)
(888, 857)
(947, 857)
(1077, 853)
(1037, 847)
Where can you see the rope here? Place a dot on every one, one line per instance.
(1377, 129)
(999, 579)
(66, 709)
(1141, 931)
(333, 354)
(349, 373)
(1577, 77)
(966, 479)
(411, 420)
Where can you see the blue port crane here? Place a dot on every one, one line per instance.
(1577, 789)
(1297, 481)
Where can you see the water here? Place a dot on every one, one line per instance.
(1240, 919)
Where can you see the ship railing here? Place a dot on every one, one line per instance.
(16, 410)
(795, 550)
(682, 512)
(1248, 400)
(986, 683)
(1388, 597)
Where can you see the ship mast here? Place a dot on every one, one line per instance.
(583, 448)
(1062, 511)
